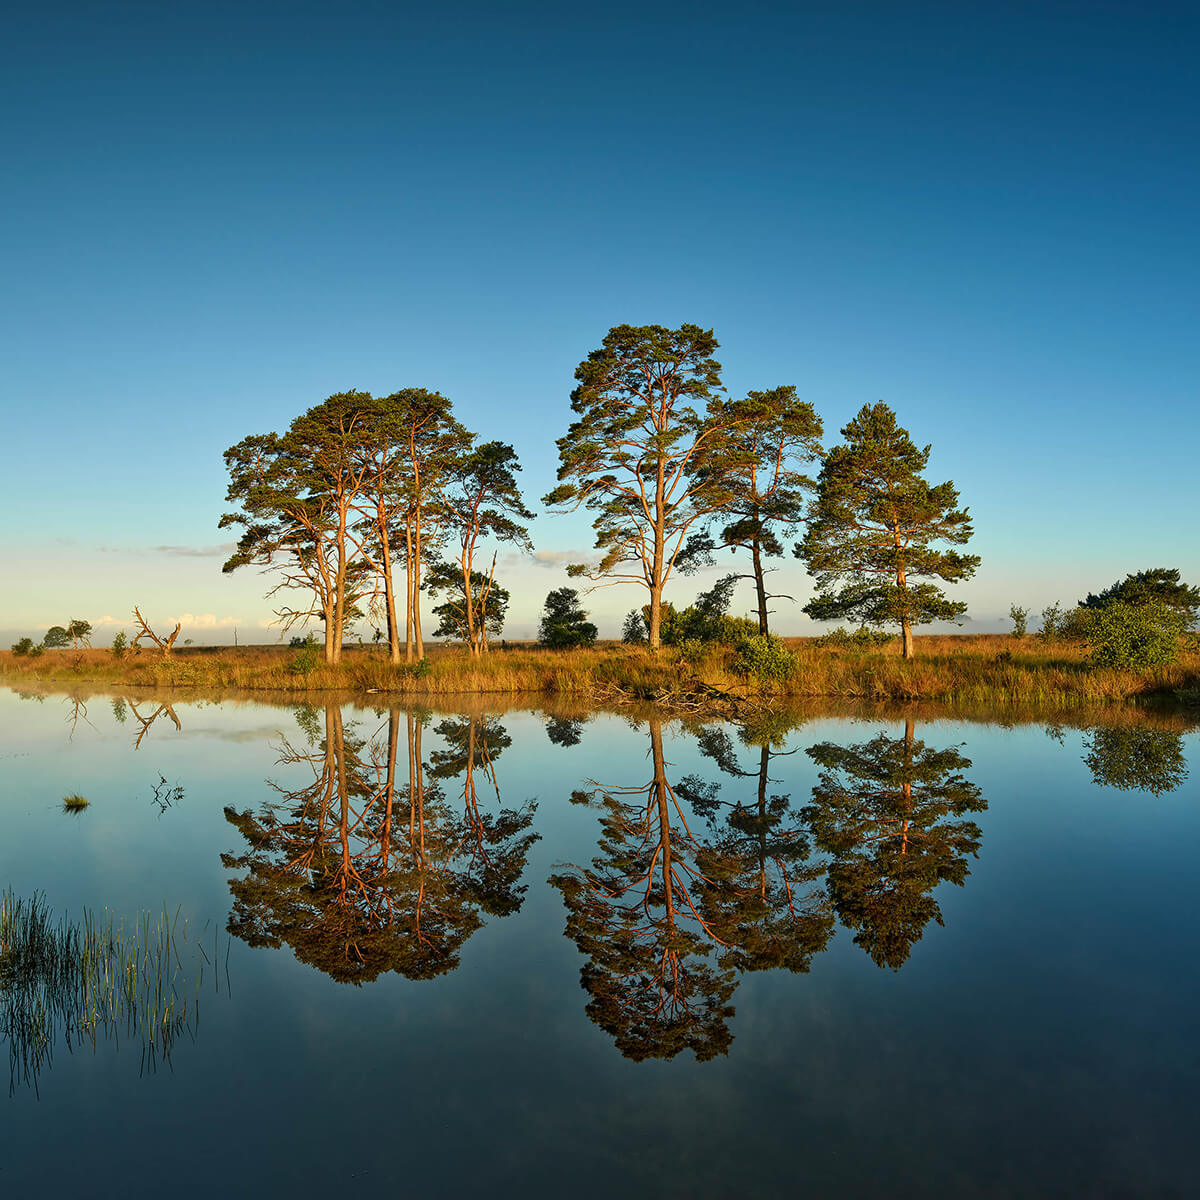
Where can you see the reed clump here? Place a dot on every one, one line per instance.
(998, 669)
(89, 981)
(75, 803)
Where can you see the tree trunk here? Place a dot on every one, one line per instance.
(656, 574)
(760, 586)
(409, 593)
(418, 551)
(906, 631)
(327, 619)
(389, 597)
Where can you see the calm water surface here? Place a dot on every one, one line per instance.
(524, 954)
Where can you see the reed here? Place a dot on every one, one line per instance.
(75, 803)
(90, 981)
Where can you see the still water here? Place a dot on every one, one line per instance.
(532, 954)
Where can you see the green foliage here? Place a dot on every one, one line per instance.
(633, 628)
(752, 475)
(1052, 618)
(863, 638)
(564, 623)
(635, 454)
(306, 659)
(1127, 635)
(56, 638)
(120, 645)
(79, 632)
(1019, 617)
(765, 657)
(489, 602)
(887, 811)
(75, 803)
(1136, 759)
(1158, 587)
(23, 648)
(704, 621)
(875, 523)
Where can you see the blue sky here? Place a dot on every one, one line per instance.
(215, 215)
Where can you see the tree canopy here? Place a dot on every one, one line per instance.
(633, 454)
(873, 529)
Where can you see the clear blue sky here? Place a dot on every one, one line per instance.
(216, 214)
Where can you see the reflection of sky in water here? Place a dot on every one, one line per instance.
(1039, 1040)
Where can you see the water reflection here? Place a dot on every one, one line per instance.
(668, 918)
(1136, 758)
(886, 811)
(360, 872)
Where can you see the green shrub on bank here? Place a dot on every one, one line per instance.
(1126, 635)
(765, 657)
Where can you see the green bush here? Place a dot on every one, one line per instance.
(304, 661)
(120, 645)
(1019, 617)
(1125, 635)
(764, 657)
(863, 638)
(633, 629)
(24, 648)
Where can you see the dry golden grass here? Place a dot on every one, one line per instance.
(993, 669)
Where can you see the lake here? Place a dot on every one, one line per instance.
(536, 953)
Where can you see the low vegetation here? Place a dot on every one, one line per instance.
(987, 668)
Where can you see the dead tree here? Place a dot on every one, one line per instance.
(147, 632)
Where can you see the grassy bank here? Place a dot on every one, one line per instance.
(960, 668)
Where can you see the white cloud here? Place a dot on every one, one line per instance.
(204, 621)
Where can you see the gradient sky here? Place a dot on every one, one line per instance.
(217, 214)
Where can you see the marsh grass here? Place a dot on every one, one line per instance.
(996, 668)
(75, 803)
(92, 981)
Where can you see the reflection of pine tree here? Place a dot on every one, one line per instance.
(1136, 759)
(758, 890)
(881, 810)
(649, 975)
(360, 875)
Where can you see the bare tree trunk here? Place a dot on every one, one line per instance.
(389, 596)
(656, 573)
(409, 586)
(339, 598)
(327, 619)
(420, 641)
(469, 609)
(760, 586)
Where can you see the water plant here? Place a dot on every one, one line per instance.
(94, 980)
(75, 803)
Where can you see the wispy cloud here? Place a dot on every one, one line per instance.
(221, 551)
(550, 559)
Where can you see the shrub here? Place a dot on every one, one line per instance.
(304, 661)
(633, 629)
(1051, 620)
(1019, 617)
(1126, 635)
(23, 648)
(764, 657)
(120, 645)
(564, 623)
(863, 638)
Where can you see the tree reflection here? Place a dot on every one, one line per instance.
(669, 918)
(884, 811)
(651, 976)
(362, 873)
(1138, 758)
(759, 890)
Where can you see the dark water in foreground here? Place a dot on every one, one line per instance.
(529, 955)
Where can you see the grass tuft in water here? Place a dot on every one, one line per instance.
(90, 981)
(75, 804)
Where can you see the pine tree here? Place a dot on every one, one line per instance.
(872, 529)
